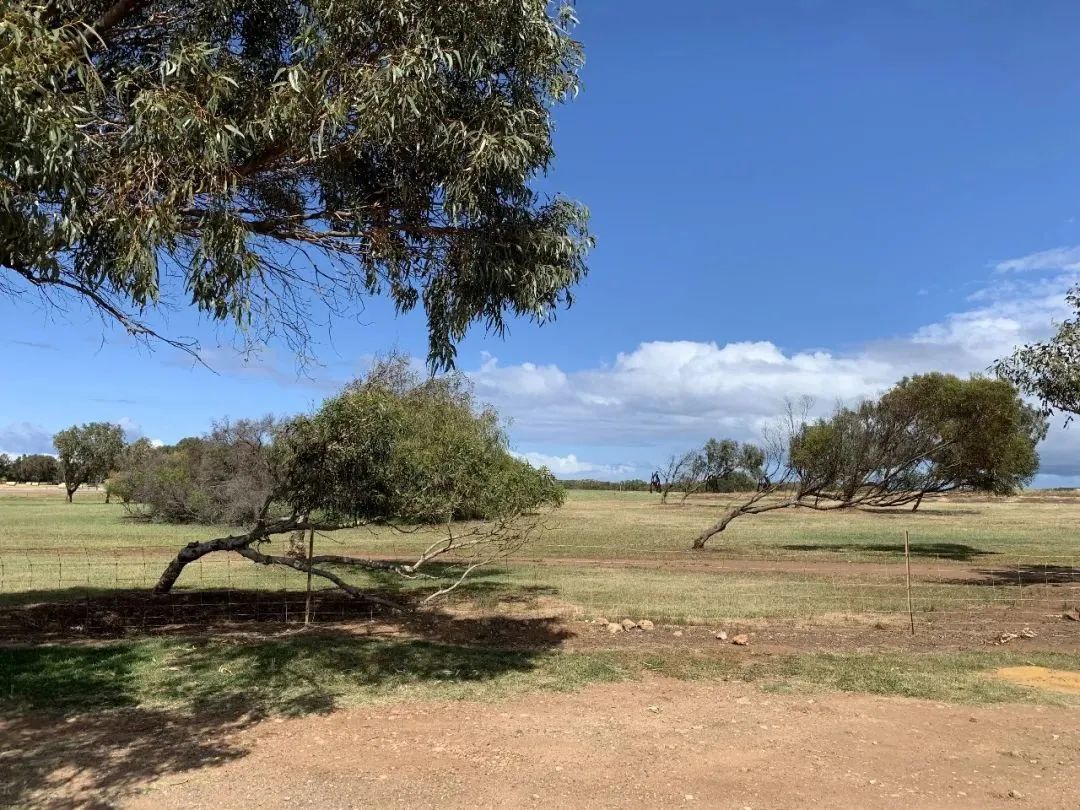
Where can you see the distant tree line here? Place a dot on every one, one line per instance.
(36, 468)
(630, 485)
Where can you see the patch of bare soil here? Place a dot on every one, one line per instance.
(974, 630)
(533, 622)
(655, 743)
(1056, 680)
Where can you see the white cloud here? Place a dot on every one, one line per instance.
(668, 395)
(1059, 258)
(20, 438)
(570, 465)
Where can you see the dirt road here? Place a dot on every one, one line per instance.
(656, 743)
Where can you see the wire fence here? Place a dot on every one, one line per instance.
(72, 591)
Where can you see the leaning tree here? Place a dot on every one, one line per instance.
(87, 453)
(252, 157)
(928, 435)
(393, 450)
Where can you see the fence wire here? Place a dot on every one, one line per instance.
(71, 591)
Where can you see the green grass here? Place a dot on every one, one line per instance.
(604, 525)
(679, 596)
(315, 673)
(50, 549)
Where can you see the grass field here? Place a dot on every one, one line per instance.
(617, 553)
(980, 567)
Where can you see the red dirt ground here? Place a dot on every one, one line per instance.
(650, 744)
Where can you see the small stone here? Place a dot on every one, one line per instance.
(629, 624)
(722, 635)
(1015, 794)
(1072, 614)
(677, 634)
(601, 620)
(741, 640)
(614, 628)
(645, 624)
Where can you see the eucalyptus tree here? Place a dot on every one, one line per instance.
(928, 435)
(36, 467)
(87, 453)
(251, 158)
(394, 450)
(1050, 371)
(719, 462)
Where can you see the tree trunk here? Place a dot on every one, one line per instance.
(918, 502)
(107, 495)
(195, 551)
(716, 528)
(70, 492)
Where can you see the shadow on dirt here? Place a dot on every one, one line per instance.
(84, 724)
(79, 613)
(940, 551)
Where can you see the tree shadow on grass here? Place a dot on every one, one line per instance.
(941, 551)
(83, 725)
(1022, 575)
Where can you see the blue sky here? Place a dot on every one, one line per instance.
(790, 198)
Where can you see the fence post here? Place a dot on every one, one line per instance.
(907, 568)
(307, 598)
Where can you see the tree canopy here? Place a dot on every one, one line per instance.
(249, 157)
(720, 465)
(396, 449)
(930, 434)
(36, 467)
(87, 453)
(1050, 370)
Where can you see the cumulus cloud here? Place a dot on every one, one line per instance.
(570, 465)
(664, 395)
(19, 438)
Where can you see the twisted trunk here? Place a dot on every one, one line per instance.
(196, 551)
(716, 528)
(750, 507)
